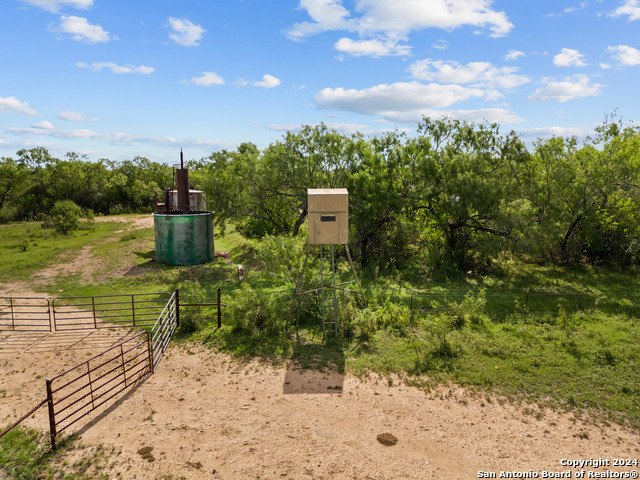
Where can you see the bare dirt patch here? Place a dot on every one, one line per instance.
(134, 222)
(204, 412)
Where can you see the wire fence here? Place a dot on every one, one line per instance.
(500, 302)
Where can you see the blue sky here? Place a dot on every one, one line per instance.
(115, 79)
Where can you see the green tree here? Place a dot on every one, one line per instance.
(266, 192)
(13, 181)
(466, 191)
(43, 170)
(65, 216)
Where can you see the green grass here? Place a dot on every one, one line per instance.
(27, 455)
(565, 338)
(27, 247)
(586, 361)
(572, 343)
(152, 277)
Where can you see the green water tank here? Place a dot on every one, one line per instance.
(184, 239)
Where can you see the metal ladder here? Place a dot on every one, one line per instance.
(329, 300)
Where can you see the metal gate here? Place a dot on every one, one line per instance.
(163, 329)
(107, 311)
(25, 314)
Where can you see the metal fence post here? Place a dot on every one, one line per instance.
(49, 313)
(177, 292)
(150, 352)
(13, 322)
(52, 417)
(133, 310)
(219, 310)
(124, 368)
(52, 315)
(93, 307)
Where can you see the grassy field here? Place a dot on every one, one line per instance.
(26, 455)
(562, 338)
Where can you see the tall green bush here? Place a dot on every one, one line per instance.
(191, 318)
(65, 216)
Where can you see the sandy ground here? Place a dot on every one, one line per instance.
(205, 415)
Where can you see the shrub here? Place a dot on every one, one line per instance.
(191, 318)
(65, 216)
(470, 310)
(254, 310)
(282, 257)
(363, 323)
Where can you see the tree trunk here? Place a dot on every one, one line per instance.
(299, 222)
(364, 251)
(565, 241)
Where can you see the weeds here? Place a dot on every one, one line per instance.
(26, 454)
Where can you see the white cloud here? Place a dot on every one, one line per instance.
(399, 17)
(54, 6)
(268, 81)
(185, 32)
(406, 15)
(52, 132)
(372, 48)
(569, 57)
(577, 86)
(625, 54)
(69, 116)
(386, 100)
(630, 8)
(481, 74)
(441, 45)
(493, 95)
(12, 104)
(283, 127)
(327, 15)
(43, 125)
(547, 132)
(207, 79)
(491, 115)
(112, 138)
(344, 128)
(115, 68)
(81, 30)
(582, 6)
(514, 55)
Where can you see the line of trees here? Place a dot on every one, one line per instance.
(31, 184)
(455, 197)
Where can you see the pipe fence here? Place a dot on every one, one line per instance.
(163, 329)
(77, 392)
(74, 394)
(25, 314)
(503, 302)
(36, 314)
(106, 311)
